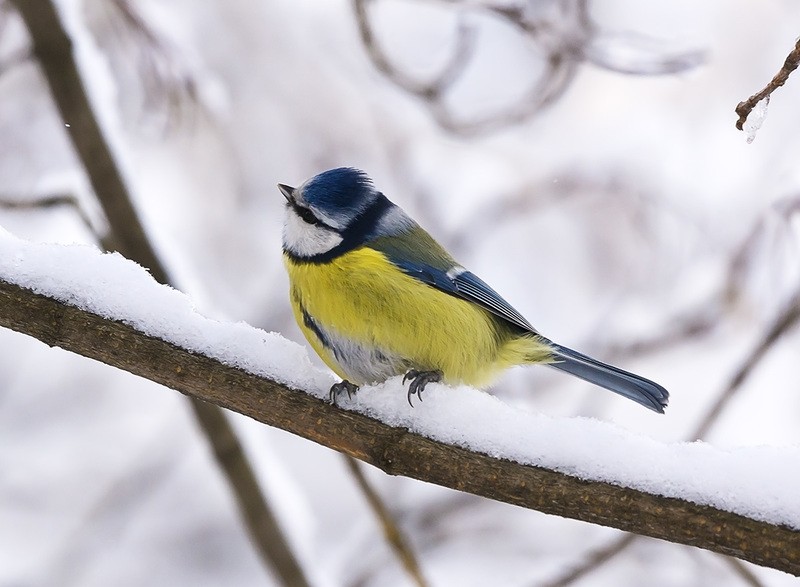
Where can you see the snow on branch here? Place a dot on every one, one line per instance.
(107, 308)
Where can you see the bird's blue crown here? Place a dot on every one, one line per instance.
(342, 192)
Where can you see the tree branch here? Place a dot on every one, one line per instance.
(593, 560)
(395, 537)
(743, 109)
(396, 451)
(785, 321)
(53, 50)
(559, 68)
(9, 202)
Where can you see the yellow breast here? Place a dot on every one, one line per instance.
(362, 297)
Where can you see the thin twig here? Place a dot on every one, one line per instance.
(164, 76)
(52, 201)
(15, 59)
(702, 319)
(265, 531)
(526, 200)
(394, 535)
(432, 89)
(785, 321)
(593, 560)
(744, 573)
(560, 62)
(743, 109)
(561, 36)
(53, 48)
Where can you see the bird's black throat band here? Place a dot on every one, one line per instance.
(360, 231)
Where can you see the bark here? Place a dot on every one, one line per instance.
(397, 451)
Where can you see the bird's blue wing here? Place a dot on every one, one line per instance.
(419, 256)
(466, 285)
(473, 288)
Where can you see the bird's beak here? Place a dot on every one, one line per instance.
(287, 191)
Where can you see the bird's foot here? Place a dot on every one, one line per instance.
(420, 379)
(339, 388)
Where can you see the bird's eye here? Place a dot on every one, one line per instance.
(308, 216)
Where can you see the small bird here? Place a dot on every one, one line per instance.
(376, 296)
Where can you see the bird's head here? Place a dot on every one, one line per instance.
(321, 211)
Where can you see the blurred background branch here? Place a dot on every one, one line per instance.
(394, 535)
(166, 87)
(12, 202)
(561, 34)
(53, 50)
(15, 59)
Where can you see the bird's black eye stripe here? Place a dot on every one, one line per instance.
(308, 216)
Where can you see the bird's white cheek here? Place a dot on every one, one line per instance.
(306, 240)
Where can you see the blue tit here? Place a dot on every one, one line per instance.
(376, 297)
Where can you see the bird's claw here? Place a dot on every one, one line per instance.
(419, 380)
(343, 386)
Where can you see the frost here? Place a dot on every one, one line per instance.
(755, 119)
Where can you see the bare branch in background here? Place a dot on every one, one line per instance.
(53, 48)
(745, 260)
(561, 34)
(14, 60)
(14, 203)
(527, 200)
(395, 537)
(502, 208)
(433, 89)
(559, 70)
(785, 321)
(743, 109)
(745, 574)
(5, 11)
(592, 560)
(634, 54)
(691, 325)
(704, 318)
(161, 78)
(597, 558)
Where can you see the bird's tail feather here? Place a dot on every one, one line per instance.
(643, 391)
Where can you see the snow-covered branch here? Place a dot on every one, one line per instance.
(61, 312)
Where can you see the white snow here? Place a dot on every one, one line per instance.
(114, 287)
(759, 482)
